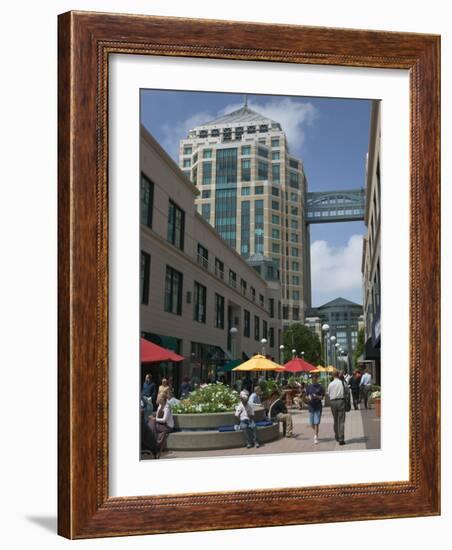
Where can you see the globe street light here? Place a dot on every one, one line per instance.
(294, 351)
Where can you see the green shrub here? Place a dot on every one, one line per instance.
(213, 398)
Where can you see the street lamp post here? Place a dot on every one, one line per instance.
(325, 329)
(337, 346)
(263, 342)
(294, 351)
(332, 341)
(281, 354)
(233, 332)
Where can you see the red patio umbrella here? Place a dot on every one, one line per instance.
(297, 365)
(152, 353)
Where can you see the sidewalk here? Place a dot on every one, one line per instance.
(362, 431)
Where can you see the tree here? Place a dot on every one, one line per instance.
(359, 347)
(301, 339)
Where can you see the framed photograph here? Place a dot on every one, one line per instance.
(248, 275)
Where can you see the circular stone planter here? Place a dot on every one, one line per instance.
(210, 420)
(199, 432)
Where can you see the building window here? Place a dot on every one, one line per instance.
(296, 313)
(246, 150)
(233, 278)
(246, 323)
(295, 280)
(219, 311)
(205, 211)
(275, 219)
(176, 225)
(259, 227)
(199, 312)
(295, 266)
(275, 205)
(245, 229)
(195, 176)
(293, 180)
(261, 300)
(275, 155)
(187, 163)
(262, 170)
(215, 132)
(187, 174)
(243, 286)
(276, 249)
(226, 215)
(246, 169)
(219, 268)
(187, 150)
(275, 191)
(206, 173)
(271, 334)
(293, 163)
(275, 234)
(293, 197)
(203, 256)
(146, 200)
(256, 328)
(294, 210)
(294, 238)
(205, 194)
(253, 293)
(294, 224)
(296, 295)
(226, 171)
(207, 154)
(264, 329)
(245, 191)
(275, 142)
(275, 173)
(173, 291)
(294, 251)
(285, 312)
(271, 307)
(144, 277)
(195, 158)
(279, 310)
(262, 152)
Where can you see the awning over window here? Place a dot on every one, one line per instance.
(151, 353)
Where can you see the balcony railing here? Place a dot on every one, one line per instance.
(203, 261)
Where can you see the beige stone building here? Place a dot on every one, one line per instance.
(194, 287)
(252, 190)
(371, 245)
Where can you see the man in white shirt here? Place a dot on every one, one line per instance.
(336, 392)
(244, 413)
(365, 386)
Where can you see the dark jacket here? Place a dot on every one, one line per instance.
(277, 407)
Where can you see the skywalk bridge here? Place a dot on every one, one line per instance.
(335, 206)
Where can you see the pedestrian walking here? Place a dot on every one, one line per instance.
(314, 396)
(365, 386)
(354, 386)
(244, 413)
(337, 393)
(278, 413)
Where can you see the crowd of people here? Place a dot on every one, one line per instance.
(342, 390)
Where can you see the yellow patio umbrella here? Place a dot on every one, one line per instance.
(330, 368)
(318, 369)
(257, 363)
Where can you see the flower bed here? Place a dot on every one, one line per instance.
(214, 398)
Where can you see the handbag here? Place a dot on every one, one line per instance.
(347, 400)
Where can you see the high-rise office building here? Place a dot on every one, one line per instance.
(252, 190)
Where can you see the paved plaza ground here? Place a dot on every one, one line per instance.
(362, 431)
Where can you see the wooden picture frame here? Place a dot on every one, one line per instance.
(86, 40)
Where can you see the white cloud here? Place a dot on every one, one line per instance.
(336, 270)
(293, 116)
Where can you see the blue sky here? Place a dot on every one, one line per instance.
(329, 135)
